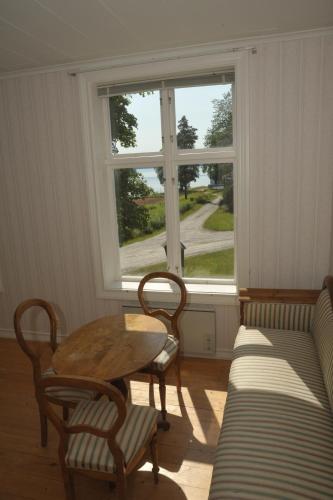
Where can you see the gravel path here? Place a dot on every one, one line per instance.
(196, 239)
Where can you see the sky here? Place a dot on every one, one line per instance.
(196, 103)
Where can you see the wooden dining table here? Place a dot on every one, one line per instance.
(111, 347)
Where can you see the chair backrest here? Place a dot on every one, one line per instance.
(33, 355)
(65, 429)
(173, 318)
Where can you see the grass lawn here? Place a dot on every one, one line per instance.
(195, 200)
(216, 264)
(220, 220)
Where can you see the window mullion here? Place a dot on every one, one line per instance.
(170, 173)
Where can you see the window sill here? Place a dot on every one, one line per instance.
(197, 293)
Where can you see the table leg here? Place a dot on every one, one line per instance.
(121, 386)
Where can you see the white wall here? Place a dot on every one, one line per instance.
(45, 247)
(291, 163)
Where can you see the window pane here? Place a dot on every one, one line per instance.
(206, 220)
(204, 116)
(141, 220)
(136, 122)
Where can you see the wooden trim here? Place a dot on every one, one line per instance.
(275, 295)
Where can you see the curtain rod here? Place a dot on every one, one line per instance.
(78, 71)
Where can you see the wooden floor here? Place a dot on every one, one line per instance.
(186, 451)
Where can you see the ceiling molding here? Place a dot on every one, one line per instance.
(169, 54)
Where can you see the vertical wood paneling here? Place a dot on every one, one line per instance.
(291, 163)
(309, 117)
(325, 163)
(45, 241)
(290, 94)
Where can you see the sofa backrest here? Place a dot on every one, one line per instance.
(296, 317)
(322, 331)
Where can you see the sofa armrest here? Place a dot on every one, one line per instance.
(286, 309)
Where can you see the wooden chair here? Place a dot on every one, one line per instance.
(57, 395)
(170, 353)
(104, 439)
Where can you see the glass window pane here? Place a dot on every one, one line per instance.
(136, 122)
(141, 220)
(206, 220)
(204, 116)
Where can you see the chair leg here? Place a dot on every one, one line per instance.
(43, 428)
(65, 413)
(164, 424)
(121, 487)
(179, 381)
(154, 457)
(68, 484)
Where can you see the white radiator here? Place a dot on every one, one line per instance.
(197, 330)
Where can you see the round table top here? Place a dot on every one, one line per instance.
(111, 347)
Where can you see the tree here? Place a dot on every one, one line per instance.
(219, 134)
(186, 139)
(130, 184)
(131, 187)
(123, 123)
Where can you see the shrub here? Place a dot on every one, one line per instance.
(202, 200)
(158, 223)
(185, 207)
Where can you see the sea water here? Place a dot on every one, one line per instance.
(153, 182)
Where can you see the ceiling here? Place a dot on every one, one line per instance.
(39, 33)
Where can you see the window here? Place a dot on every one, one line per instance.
(170, 150)
(168, 174)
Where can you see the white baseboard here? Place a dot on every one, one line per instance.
(224, 354)
(45, 336)
(29, 335)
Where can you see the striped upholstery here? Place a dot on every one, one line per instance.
(277, 434)
(86, 451)
(70, 394)
(323, 336)
(296, 317)
(168, 353)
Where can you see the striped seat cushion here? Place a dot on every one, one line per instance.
(167, 355)
(323, 336)
(296, 317)
(86, 451)
(277, 434)
(70, 394)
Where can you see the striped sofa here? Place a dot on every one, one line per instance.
(276, 440)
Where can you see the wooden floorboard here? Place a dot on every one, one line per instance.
(186, 451)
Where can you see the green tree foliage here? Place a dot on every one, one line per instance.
(123, 123)
(131, 187)
(130, 184)
(219, 134)
(186, 138)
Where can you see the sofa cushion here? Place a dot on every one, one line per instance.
(277, 434)
(162, 361)
(296, 317)
(67, 394)
(323, 336)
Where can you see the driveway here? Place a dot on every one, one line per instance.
(196, 239)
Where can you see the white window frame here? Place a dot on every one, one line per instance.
(95, 115)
